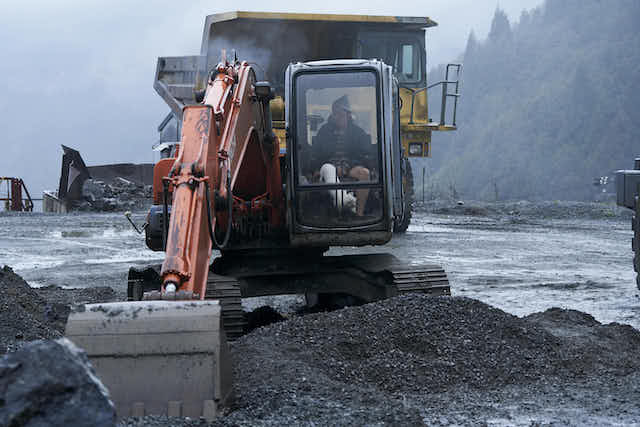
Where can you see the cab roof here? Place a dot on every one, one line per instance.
(406, 22)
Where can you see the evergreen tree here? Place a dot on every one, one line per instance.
(472, 46)
(500, 27)
(546, 105)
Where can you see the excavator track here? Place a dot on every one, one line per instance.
(426, 279)
(227, 290)
(401, 276)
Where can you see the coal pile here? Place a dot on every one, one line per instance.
(24, 315)
(28, 314)
(358, 364)
(118, 195)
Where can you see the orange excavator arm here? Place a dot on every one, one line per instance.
(225, 146)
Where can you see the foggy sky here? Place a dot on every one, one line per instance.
(81, 73)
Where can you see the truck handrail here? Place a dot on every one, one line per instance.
(445, 93)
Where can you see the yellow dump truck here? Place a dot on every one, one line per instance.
(271, 41)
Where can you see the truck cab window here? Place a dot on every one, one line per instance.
(403, 55)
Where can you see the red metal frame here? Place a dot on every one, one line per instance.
(14, 201)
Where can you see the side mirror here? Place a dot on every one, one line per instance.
(264, 91)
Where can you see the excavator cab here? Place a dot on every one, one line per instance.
(339, 147)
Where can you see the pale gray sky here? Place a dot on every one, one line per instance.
(80, 73)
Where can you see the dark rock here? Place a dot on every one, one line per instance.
(52, 383)
(93, 190)
(109, 204)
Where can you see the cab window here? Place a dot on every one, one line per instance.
(337, 152)
(403, 55)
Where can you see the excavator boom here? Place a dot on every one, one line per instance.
(222, 139)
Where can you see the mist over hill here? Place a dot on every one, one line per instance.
(547, 105)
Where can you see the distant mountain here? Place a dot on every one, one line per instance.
(547, 104)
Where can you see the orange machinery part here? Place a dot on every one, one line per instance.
(221, 137)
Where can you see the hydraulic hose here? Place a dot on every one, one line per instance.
(212, 233)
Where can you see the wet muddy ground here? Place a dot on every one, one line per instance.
(520, 257)
(523, 258)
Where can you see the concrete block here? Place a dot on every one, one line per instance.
(210, 410)
(174, 408)
(137, 409)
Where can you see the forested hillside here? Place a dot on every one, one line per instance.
(547, 104)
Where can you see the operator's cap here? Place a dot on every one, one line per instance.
(341, 103)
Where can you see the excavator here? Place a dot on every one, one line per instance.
(270, 204)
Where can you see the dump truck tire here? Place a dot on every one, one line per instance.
(407, 185)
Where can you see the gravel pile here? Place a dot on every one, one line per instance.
(358, 365)
(68, 297)
(592, 346)
(24, 315)
(28, 314)
(404, 361)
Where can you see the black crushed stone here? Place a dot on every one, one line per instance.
(409, 360)
(28, 314)
(358, 365)
(24, 315)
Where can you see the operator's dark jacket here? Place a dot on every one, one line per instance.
(353, 146)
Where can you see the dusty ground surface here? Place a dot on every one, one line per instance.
(409, 360)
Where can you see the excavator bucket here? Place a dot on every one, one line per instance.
(157, 357)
